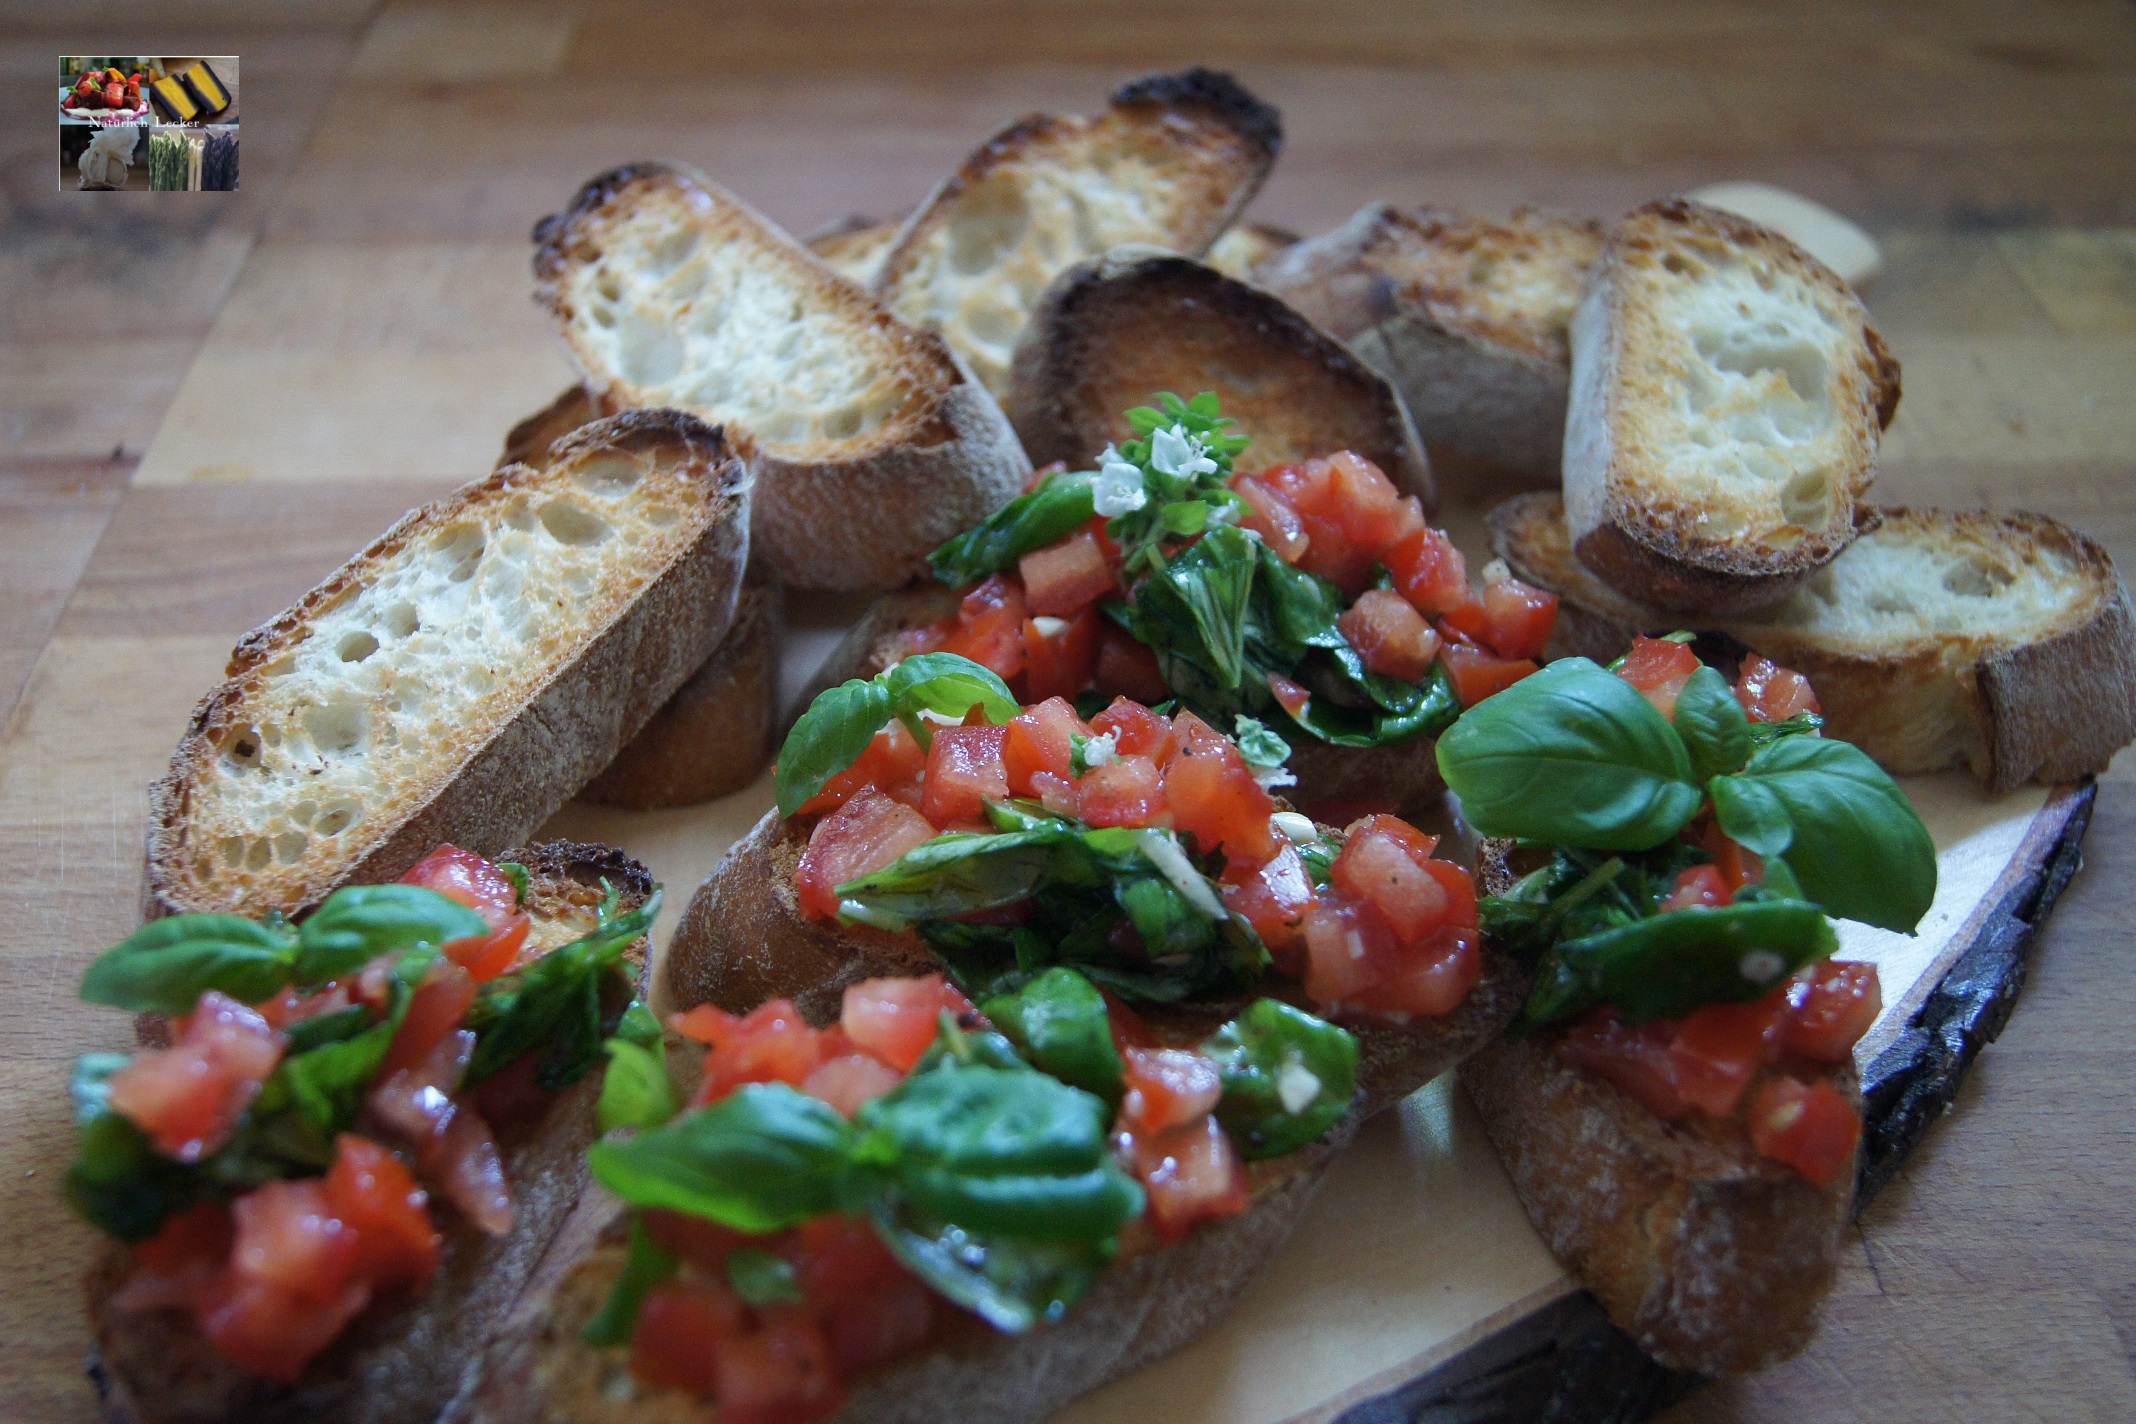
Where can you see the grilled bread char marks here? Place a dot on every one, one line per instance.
(1467, 316)
(869, 443)
(1111, 331)
(1728, 394)
(1170, 162)
(855, 247)
(395, 1364)
(459, 679)
(2004, 643)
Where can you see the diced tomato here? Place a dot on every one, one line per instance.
(780, 1374)
(1367, 505)
(485, 957)
(188, 1097)
(1518, 618)
(897, 1019)
(1719, 1047)
(287, 1233)
(1061, 655)
(1288, 694)
(1128, 1028)
(1126, 791)
(416, 1101)
(892, 765)
(850, 1081)
(1738, 867)
(1771, 693)
(1478, 674)
(1659, 668)
(468, 878)
(964, 772)
(1349, 947)
(469, 1172)
(704, 1244)
(1465, 624)
(678, 1325)
(1387, 861)
(894, 1318)
(1063, 578)
(990, 623)
(1428, 571)
(838, 1260)
(1832, 1005)
(440, 1005)
(1432, 977)
(1633, 1058)
(771, 1043)
(1811, 1127)
(1697, 886)
(377, 1197)
(1041, 740)
(1168, 1087)
(1213, 796)
(930, 639)
(1273, 898)
(861, 837)
(1127, 668)
(1272, 518)
(270, 1329)
(198, 1236)
(1390, 636)
(1192, 1173)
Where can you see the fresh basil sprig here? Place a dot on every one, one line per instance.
(1288, 1077)
(1056, 508)
(837, 727)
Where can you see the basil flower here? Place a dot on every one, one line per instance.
(1174, 452)
(1119, 489)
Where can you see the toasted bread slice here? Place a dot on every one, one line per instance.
(1728, 395)
(398, 1363)
(1112, 331)
(1149, 1303)
(531, 441)
(1467, 316)
(855, 247)
(718, 730)
(1245, 246)
(1171, 161)
(870, 445)
(2004, 643)
(459, 679)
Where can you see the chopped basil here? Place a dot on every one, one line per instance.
(648, 1264)
(1288, 1077)
(556, 1004)
(1059, 506)
(762, 1278)
(635, 1092)
(1059, 1020)
(837, 727)
(359, 923)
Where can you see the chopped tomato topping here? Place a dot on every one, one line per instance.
(486, 956)
(780, 1374)
(1126, 791)
(1811, 1127)
(1192, 1173)
(1365, 502)
(896, 1316)
(188, 1097)
(376, 1196)
(1272, 518)
(1391, 637)
(1388, 861)
(1127, 668)
(1212, 794)
(1432, 978)
(1697, 886)
(861, 837)
(1041, 740)
(478, 884)
(1771, 693)
(469, 1171)
(964, 772)
(897, 1019)
(1429, 571)
(1738, 867)
(930, 639)
(287, 1233)
(439, 1006)
(1273, 898)
(1061, 654)
(1518, 619)
(1478, 674)
(771, 1043)
(850, 1081)
(990, 623)
(677, 1324)
(1633, 1057)
(892, 765)
(1289, 695)
(1719, 1047)
(1659, 668)
(1135, 730)
(1349, 947)
(198, 1236)
(1168, 1087)
(1834, 1004)
(269, 1329)
(1062, 578)
(704, 1244)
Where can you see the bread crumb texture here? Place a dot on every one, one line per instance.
(1514, 283)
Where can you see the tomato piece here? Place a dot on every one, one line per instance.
(1518, 618)
(439, 1006)
(850, 1081)
(378, 1198)
(930, 639)
(1428, 571)
(964, 771)
(1271, 517)
(1719, 1047)
(892, 765)
(1831, 1006)
(1387, 861)
(1127, 668)
(1478, 674)
(704, 1244)
(1168, 1087)
(1273, 898)
(468, 878)
(1738, 867)
(1062, 578)
(1771, 693)
(1135, 730)
(485, 957)
(1391, 637)
(1289, 695)
(188, 1097)
(897, 1019)
(771, 1043)
(679, 1324)
(1433, 977)
(1041, 740)
(1696, 886)
(198, 1236)
(1659, 668)
(895, 1318)
(287, 1233)
(1634, 1058)
(1126, 791)
(1365, 502)
(861, 837)
(1192, 1173)
(1061, 655)
(780, 1374)
(1811, 1127)
(1213, 796)
(469, 1171)
(270, 1329)
(990, 623)
(1349, 947)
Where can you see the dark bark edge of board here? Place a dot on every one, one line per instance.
(1566, 1364)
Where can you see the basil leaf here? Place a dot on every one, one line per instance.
(1059, 1020)
(648, 1264)
(520, 878)
(829, 737)
(359, 923)
(1262, 748)
(639, 1025)
(1010, 1284)
(1059, 506)
(762, 1278)
(636, 1091)
(554, 1003)
(322, 1090)
(1288, 1077)
(1184, 518)
(1206, 590)
(1711, 722)
(962, 872)
(760, 1160)
(947, 685)
(1800, 725)
(166, 965)
(118, 1182)
(1570, 755)
(1432, 712)
(328, 1028)
(1850, 835)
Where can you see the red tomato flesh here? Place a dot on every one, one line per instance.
(1192, 1173)
(1060, 654)
(1771, 693)
(861, 837)
(677, 1325)
(1699, 886)
(468, 878)
(1272, 517)
(1634, 1058)
(780, 1374)
(1386, 860)
(1811, 1127)
(288, 1234)
(439, 1006)
(897, 1019)
(1478, 674)
(1273, 898)
(371, 1191)
(1429, 571)
(1127, 668)
(1213, 796)
(188, 1097)
(850, 1081)
(771, 1043)
(1518, 619)
(1349, 947)
(1659, 669)
(964, 771)
(1126, 791)
(990, 623)
(892, 765)
(1168, 1088)
(269, 1329)
(1135, 730)
(1718, 1048)
(1391, 637)
(1833, 1004)
(1041, 740)
(1062, 578)
(1432, 978)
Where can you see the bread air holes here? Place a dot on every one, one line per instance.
(289, 847)
(648, 352)
(1807, 499)
(1976, 577)
(241, 749)
(671, 251)
(354, 647)
(400, 620)
(459, 548)
(337, 818)
(608, 474)
(337, 725)
(570, 522)
(1768, 346)
(991, 226)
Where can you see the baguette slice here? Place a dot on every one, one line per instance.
(1728, 395)
(459, 679)
(1112, 331)
(854, 247)
(397, 1364)
(1170, 162)
(717, 732)
(1245, 246)
(869, 443)
(2004, 643)
(532, 440)
(1466, 315)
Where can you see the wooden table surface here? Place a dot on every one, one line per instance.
(207, 401)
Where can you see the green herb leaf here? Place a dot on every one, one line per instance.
(118, 1182)
(554, 1004)
(166, 965)
(1802, 724)
(1288, 1077)
(964, 872)
(636, 1091)
(1711, 722)
(1262, 748)
(829, 737)
(947, 685)
(1059, 1021)
(1207, 588)
(1009, 1283)
(1572, 755)
(760, 1160)
(359, 923)
(762, 1278)
(639, 1025)
(1055, 509)
(648, 1264)
(518, 875)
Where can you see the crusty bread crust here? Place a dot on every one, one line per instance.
(397, 1363)
(1634, 519)
(906, 448)
(2051, 704)
(532, 440)
(854, 247)
(564, 710)
(1113, 331)
(1245, 246)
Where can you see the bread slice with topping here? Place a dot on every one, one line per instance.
(1467, 316)
(869, 443)
(1170, 162)
(2004, 643)
(1728, 396)
(460, 678)
(1111, 332)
